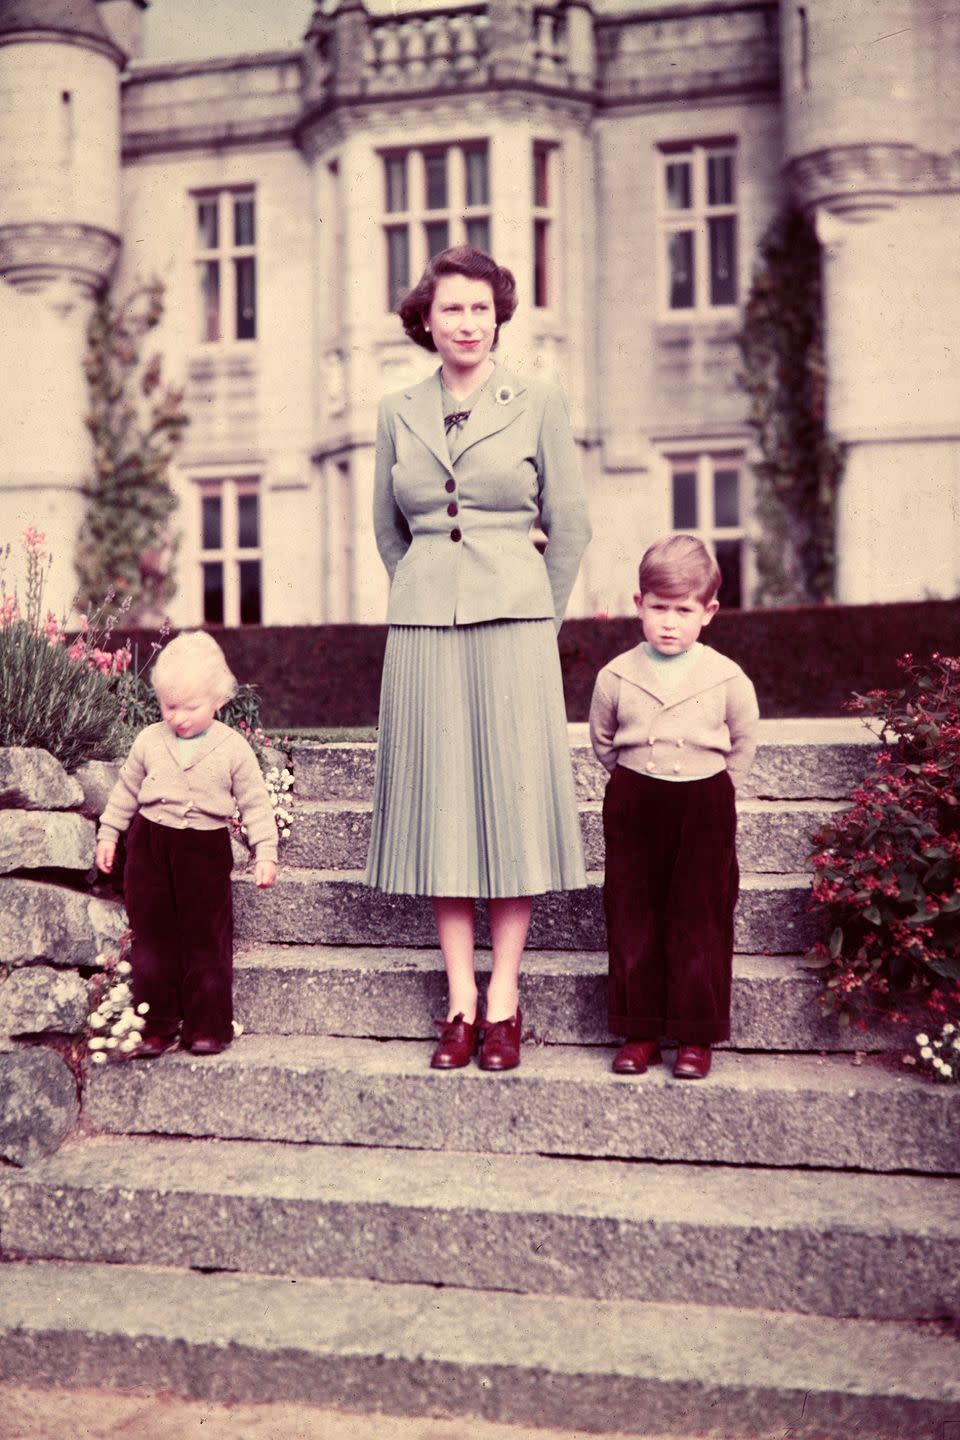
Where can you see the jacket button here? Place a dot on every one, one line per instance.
(450, 486)
(455, 533)
(452, 508)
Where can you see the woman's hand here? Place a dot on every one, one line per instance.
(266, 874)
(106, 851)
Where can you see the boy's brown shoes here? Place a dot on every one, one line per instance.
(458, 1041)
(634, 1057)
(152, 1046)
(692, 1063)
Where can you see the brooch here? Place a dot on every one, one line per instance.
(504, 395)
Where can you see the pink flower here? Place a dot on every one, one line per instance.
(77, 651)
(122, 660)
(102, 660)
(35, 542)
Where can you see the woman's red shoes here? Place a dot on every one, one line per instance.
(458, 1042)
(501, 1043)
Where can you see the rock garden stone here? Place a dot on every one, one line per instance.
(38, 998)
(96, 779)
(33, 780)
(38, 1102)
(42, 839)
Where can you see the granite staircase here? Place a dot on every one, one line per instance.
(317, 1215)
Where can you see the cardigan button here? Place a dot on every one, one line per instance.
(679, 744)
(450, 486)
(455, 534)
(676, 769)
(651, 766)
(452, 508)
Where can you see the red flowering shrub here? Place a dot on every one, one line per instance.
(888, 869)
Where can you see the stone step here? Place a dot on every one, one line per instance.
(796, 760)
(389, 993)
(412, 1349)
(334, 907)
(773, 837)
(826, 1112)
(880, 1247)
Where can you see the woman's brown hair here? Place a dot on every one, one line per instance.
(463, 260)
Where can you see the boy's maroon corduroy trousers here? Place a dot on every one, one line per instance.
(671, 886)
(180, 907)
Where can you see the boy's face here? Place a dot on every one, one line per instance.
(672, 623)
(188, 710)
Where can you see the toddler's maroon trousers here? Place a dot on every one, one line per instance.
(670, 890)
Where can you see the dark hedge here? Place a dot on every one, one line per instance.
(803, 661)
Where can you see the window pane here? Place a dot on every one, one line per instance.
(478, 179)
(208, 229)
(395, 171)
(723, 260)
(244, 226)
(726, 498)
(213, 593)
(211, 518)
(540, 259)
(210, 300)
(681, 270)
(437, 233)
(730, 560)
(248, 522)
(246, 277)
(436, 177)
(478, 234)
(678, 185)
(541, 175)
(684, 500)
(398, 266)
(720, 180)
(250, 606)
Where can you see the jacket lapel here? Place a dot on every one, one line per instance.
(710, 669)
(421, 409)
(502, 400)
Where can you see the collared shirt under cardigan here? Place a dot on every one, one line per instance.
(707, 724)
(455, 535)
(220, 776)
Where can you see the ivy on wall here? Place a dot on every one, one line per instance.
(784, 374)
(126, 544)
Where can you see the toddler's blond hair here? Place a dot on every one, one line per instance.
(194, 662)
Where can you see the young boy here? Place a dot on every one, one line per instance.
(180, 786)
(675, 723)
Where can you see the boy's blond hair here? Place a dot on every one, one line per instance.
(193, 661)
(680, 565)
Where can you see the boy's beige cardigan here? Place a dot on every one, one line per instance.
(708, 724)
(221, 775)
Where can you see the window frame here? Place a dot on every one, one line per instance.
(706, 460)
(414, 221)
(226, 255)
(545, 277)
(229, 555)
(697, 220)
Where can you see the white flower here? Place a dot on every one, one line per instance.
(96, 1021)
(129, 1044)
(142, 1008)
(237, 1027)
(504, 395)
(948, 1029)
(96, 1042)
(123, 967)
(99, 1058)
(956, 1043)
(117, 993)
(926, 1053)
(922, 1039)
(119, 1029)
(111, 1042)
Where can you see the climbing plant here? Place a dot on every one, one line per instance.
(784, 375)
(126, 544)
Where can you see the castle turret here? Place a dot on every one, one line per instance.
(872, 110)
(59, 240)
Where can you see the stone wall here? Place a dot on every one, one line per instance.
(53, 931)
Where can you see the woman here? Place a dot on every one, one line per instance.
(473, 794)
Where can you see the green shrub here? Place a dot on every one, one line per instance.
(50, 701)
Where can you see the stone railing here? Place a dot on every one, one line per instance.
(425, 50)
(52, 933)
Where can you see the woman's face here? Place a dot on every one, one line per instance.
(463, 323)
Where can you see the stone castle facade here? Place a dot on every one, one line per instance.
(622, 158)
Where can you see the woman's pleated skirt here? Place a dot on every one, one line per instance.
(474, 794)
